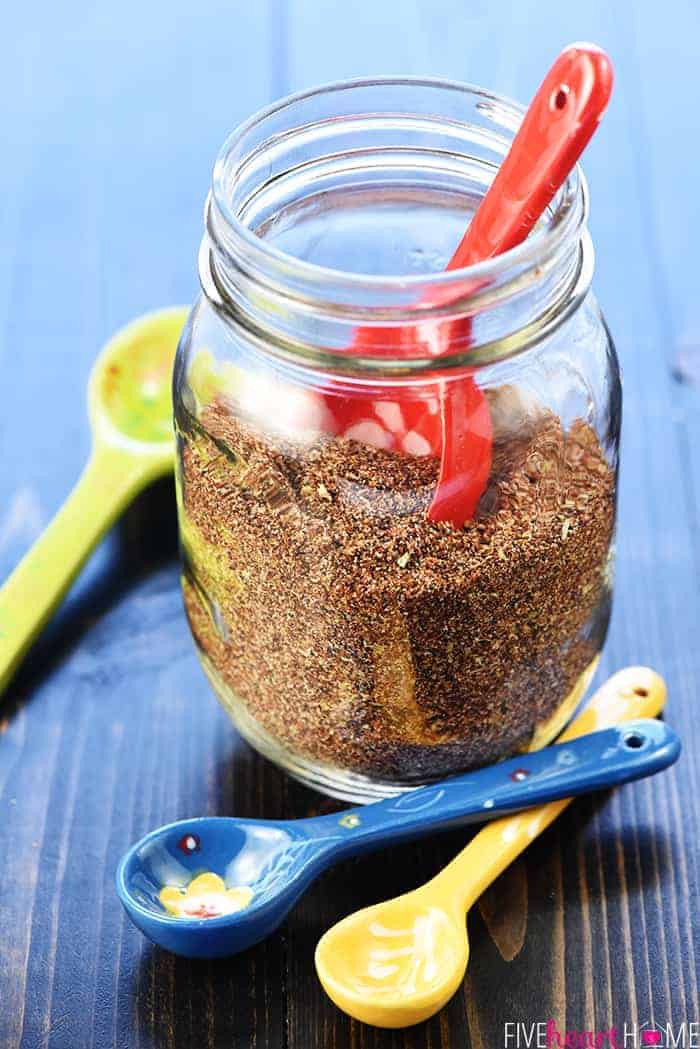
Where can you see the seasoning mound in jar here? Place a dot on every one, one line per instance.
(357, 633)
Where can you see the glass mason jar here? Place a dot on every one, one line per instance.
(354, 639)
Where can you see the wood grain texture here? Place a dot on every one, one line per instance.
(112, 115)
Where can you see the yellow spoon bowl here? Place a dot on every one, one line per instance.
(398, 963)
(130, 409)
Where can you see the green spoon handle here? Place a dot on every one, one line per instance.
(40, 581)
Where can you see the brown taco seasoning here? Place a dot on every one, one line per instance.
(351, 630)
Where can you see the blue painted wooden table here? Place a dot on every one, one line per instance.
(111, 117)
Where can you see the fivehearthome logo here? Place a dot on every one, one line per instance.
(548, 1034)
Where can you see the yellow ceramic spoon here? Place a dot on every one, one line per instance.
(399, 962)
(131, 418)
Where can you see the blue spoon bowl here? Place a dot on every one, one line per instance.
(278, 859)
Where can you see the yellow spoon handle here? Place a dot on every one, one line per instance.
(42, 578)
(634, 692)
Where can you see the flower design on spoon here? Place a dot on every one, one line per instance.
(205, 897)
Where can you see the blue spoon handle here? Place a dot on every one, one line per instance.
(592, 762)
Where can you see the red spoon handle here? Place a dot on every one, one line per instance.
(555, 130)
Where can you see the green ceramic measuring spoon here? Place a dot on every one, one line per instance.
(130, 410)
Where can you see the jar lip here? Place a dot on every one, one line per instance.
(568, 210)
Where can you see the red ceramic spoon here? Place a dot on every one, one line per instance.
(555, 130)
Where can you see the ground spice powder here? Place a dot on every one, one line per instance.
(356, 632)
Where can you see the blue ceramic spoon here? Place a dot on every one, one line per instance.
(278, 859)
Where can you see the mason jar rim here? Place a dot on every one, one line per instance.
(568, 210)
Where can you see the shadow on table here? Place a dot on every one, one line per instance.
(143, 540)
(230, 1003)
(270, 995)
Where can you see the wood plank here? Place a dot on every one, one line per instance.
(111, 141)
(114, 117)
(610, 933)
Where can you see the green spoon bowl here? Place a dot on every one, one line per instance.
(130, 407)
